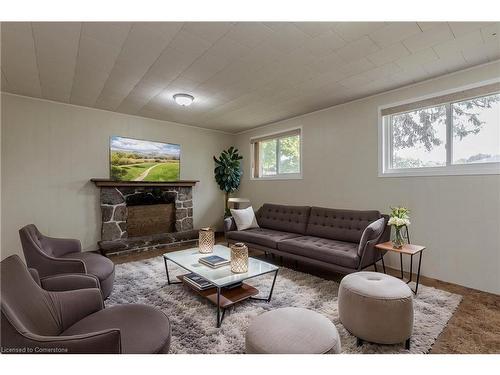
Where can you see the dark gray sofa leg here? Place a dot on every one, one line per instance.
(359, 342)
(407, 344)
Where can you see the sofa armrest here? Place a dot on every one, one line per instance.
(65, 282)
(75, 305)
(229, 224)
(370, 237)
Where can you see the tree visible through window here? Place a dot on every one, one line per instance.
(277, 155)
(462, 132)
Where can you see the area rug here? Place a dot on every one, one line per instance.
(193, 318)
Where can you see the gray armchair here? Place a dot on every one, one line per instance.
(38, 321)
(53, 256)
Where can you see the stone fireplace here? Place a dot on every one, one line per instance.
(140, 216)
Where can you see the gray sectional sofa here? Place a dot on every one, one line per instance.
(339, 240)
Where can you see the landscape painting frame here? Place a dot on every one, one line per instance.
(136, 160)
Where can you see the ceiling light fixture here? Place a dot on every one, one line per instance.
(184, 100)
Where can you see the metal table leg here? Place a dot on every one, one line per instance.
(219, 320)
(268, 299)
(418, 272)
(401, 261)
(383, 264)
(168, 276)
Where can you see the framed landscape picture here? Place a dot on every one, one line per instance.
(140, 160)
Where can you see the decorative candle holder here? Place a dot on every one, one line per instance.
(206, 240)
(239, 257)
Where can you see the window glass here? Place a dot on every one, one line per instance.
(268, 157)
(419, 138)
(476, 130)
(289, 154)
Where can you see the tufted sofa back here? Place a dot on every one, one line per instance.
(283, 218)
(341, 225)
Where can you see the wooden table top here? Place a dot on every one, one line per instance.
(406, 249)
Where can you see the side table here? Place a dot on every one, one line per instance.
(408, 249)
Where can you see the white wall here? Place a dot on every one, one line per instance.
(51, 150)
(456, 217)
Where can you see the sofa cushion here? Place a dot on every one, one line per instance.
(283, 218)
(261, 236)
(244, 218)
(322, 249)
(341, 225)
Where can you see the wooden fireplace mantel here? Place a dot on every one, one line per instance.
(106, 182)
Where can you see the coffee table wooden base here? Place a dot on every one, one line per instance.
(228, 297)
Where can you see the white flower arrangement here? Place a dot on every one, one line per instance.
(399, 217)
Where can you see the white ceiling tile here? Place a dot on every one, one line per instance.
(428, 38)
(394, 32)
(424, 26)
(249, 34)
(210, 31)
(314, 29)
(452, 61)
(205, 67)
(228, 49)
(19, 63)
(460, 28)
(459, 43)
(357, 49)
(356, 67)
(351, 31)
(111, 33)
(491, 32)
(417, 59)
(328, 41)
(388, 54)
(57, 49)
(189, 43)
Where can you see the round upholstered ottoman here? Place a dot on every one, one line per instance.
(292, 330)
(376, 308)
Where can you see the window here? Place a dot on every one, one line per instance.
(277, 155)
(457, 133)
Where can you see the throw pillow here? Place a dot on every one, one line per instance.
(244, 218)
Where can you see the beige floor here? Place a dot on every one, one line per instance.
(474, 328)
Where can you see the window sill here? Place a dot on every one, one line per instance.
(277, 178)
(455, 170)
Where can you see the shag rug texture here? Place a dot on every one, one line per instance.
(193, 317)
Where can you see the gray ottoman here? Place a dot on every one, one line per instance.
(292, 330)
(376, 308)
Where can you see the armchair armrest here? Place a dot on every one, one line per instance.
(75, 305)
(48, 266)
(103, 342)
(62, 246)
(65, 282)
(229, 224)
(370, 237)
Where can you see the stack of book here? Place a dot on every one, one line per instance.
(197, 281)
(214, 261)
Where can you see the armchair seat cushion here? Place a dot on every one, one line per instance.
(330, 251)
(99, 266)
(143, 329)
(260, 236)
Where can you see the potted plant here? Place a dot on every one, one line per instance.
(399, 219)
(228, 173)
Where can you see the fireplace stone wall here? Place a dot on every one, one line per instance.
(114, 210)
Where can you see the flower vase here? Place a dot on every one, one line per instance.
(398, 238)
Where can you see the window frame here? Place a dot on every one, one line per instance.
(385, 151)
(276, 135)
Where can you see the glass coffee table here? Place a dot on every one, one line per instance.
(228, 287)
